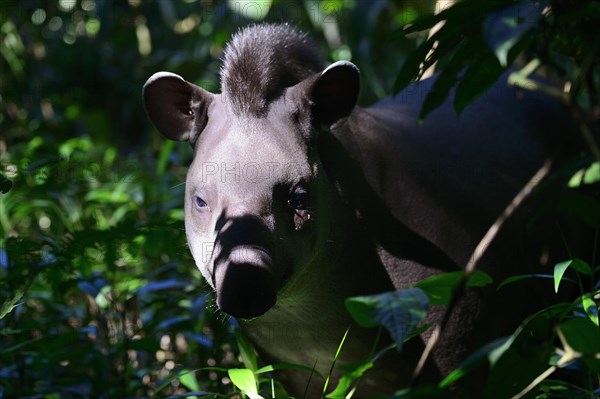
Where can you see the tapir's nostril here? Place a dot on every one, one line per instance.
(245, 290)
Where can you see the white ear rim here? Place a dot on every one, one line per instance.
(340, 64)
(160, 75)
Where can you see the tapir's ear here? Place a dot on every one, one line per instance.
(334, 92)
(177, 108)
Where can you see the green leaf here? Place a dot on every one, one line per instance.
(351, 372)
(589, 175)
(11, 303)
(188, 379)
(514, 279)
(245, 381)
(526, 357)
(590, 308)
(490, 352)
(584, 337)
(439, 92)
(478, 77)
(439, 288)
(398, 311)
(335, 358)
(246, 350)
(579, 265)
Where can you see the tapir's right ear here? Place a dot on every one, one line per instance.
(177, 108)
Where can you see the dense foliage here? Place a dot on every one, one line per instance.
(98, 293)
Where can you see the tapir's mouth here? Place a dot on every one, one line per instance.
(245, 283)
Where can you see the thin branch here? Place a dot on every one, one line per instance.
(478, 253)
(521, 79)
(535, 382)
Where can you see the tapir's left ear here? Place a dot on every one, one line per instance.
(334, 93)
(177, 108)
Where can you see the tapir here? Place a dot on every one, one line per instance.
(297, 199)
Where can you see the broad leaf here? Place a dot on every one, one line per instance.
(351, 372)
(579, 265)
(584, 337)
(246, 382)
(398, 311)
(490, 352)
(439, 288)
(526, 357)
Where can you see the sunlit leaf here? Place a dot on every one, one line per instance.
(245, 381)
(246, 350)
(559, 270)
(589, 175)
(9, 304)
(188, 379)
(590, 308)
(350, 373)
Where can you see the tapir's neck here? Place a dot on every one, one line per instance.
(309, 319)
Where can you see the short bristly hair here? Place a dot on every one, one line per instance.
(260, 61)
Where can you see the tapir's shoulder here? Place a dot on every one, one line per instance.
(472, 163)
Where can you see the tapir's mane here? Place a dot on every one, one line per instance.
(261, 61)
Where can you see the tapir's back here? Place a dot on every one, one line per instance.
(451, 176)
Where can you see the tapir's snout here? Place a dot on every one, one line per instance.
(244, 273)
(245, 290)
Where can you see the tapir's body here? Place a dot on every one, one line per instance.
(286, 219)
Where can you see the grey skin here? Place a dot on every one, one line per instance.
(297, 199)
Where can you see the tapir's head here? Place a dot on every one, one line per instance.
(257, 202)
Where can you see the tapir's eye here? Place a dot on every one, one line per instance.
(299, 207)
(200, 203)
(299, 200)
